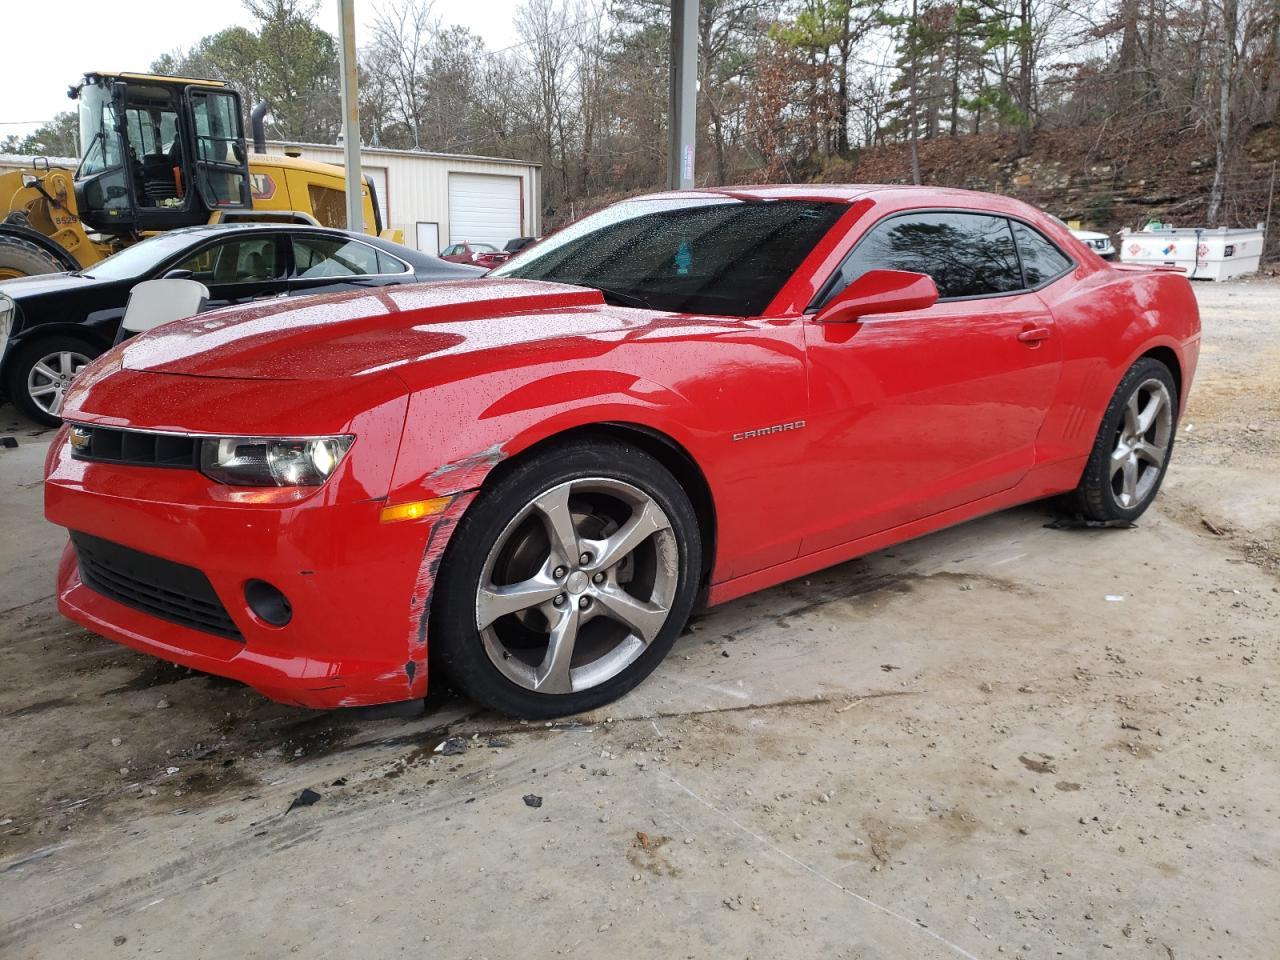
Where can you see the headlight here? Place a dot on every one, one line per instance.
(272, 462)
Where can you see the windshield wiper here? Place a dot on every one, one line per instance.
(624, 299)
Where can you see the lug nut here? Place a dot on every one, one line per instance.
(559, 600)
(598, 578)
(584, 559)
(584, 602)
(560, 573)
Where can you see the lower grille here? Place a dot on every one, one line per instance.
(162, 588)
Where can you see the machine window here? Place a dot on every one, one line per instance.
(328, 205)
(218, 150)
(155, 149)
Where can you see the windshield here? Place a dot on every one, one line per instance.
(714, 255)
(141, 258)
(97, 130)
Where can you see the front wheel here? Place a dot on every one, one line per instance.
(567, 581)
(39, 373)
(1131, 451)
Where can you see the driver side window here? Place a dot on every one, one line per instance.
(243, 260)
(966, 254)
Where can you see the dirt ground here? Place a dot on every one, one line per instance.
(1005, 739)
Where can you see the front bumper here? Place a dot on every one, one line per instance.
(359, 589)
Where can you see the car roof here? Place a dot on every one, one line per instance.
(212, 229)
(835, 193)
(206, 230)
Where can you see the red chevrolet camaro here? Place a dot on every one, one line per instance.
(530, 479)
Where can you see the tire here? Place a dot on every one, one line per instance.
(20, 257)
(31, 368)
(618, 610)
(1131, 452)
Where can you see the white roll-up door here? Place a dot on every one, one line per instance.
(483, 208)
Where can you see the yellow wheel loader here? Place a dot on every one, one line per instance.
(158, 153)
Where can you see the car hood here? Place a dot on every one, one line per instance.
(24, 288)
(370, 331)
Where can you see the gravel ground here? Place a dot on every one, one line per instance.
(1000, 740)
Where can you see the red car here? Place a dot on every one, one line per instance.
(531, 479)
(482, 254)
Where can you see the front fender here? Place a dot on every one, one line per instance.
(444, 451)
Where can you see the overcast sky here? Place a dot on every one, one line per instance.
(112, 35)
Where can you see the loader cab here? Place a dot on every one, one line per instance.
(158, 152)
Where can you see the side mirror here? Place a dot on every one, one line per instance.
(178, 275)
(880, 291)
(156, 302)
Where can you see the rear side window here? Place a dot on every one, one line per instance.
(967, 254)
(389, 264)
(1041, 260)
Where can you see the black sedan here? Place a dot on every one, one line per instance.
(59, 322)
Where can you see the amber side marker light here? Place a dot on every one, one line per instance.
(415, 510)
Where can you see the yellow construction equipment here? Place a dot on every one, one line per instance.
(158, 153)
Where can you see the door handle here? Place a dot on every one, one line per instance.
(1034, 334)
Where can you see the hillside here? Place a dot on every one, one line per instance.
(1107, 178)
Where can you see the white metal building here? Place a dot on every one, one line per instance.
(15, 161)
(439, 198)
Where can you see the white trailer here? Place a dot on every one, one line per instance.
(1204, 254)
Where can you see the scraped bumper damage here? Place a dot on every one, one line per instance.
(357, 589)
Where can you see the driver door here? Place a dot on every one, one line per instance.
(915, 413)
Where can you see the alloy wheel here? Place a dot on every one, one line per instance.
(577, 586)
(1142, 443)
(49, 378)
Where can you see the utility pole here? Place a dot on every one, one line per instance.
(350, 113)
(682, 116)
(1271, 195)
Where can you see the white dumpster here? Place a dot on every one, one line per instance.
(1203, 253)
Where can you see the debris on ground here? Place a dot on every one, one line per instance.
(451, 747)
(1078, 522)
(305, 799)
(532, 800)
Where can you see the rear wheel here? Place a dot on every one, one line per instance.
(38, 376)
(20, 257)
(567, 581)
(1131, 452)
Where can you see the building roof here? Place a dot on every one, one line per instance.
(26, 160)
(390, 151)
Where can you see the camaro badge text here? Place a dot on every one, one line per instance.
(766, 431)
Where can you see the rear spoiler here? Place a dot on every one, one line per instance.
(1148, 268)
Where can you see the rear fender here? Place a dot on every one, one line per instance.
(1130, 315)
